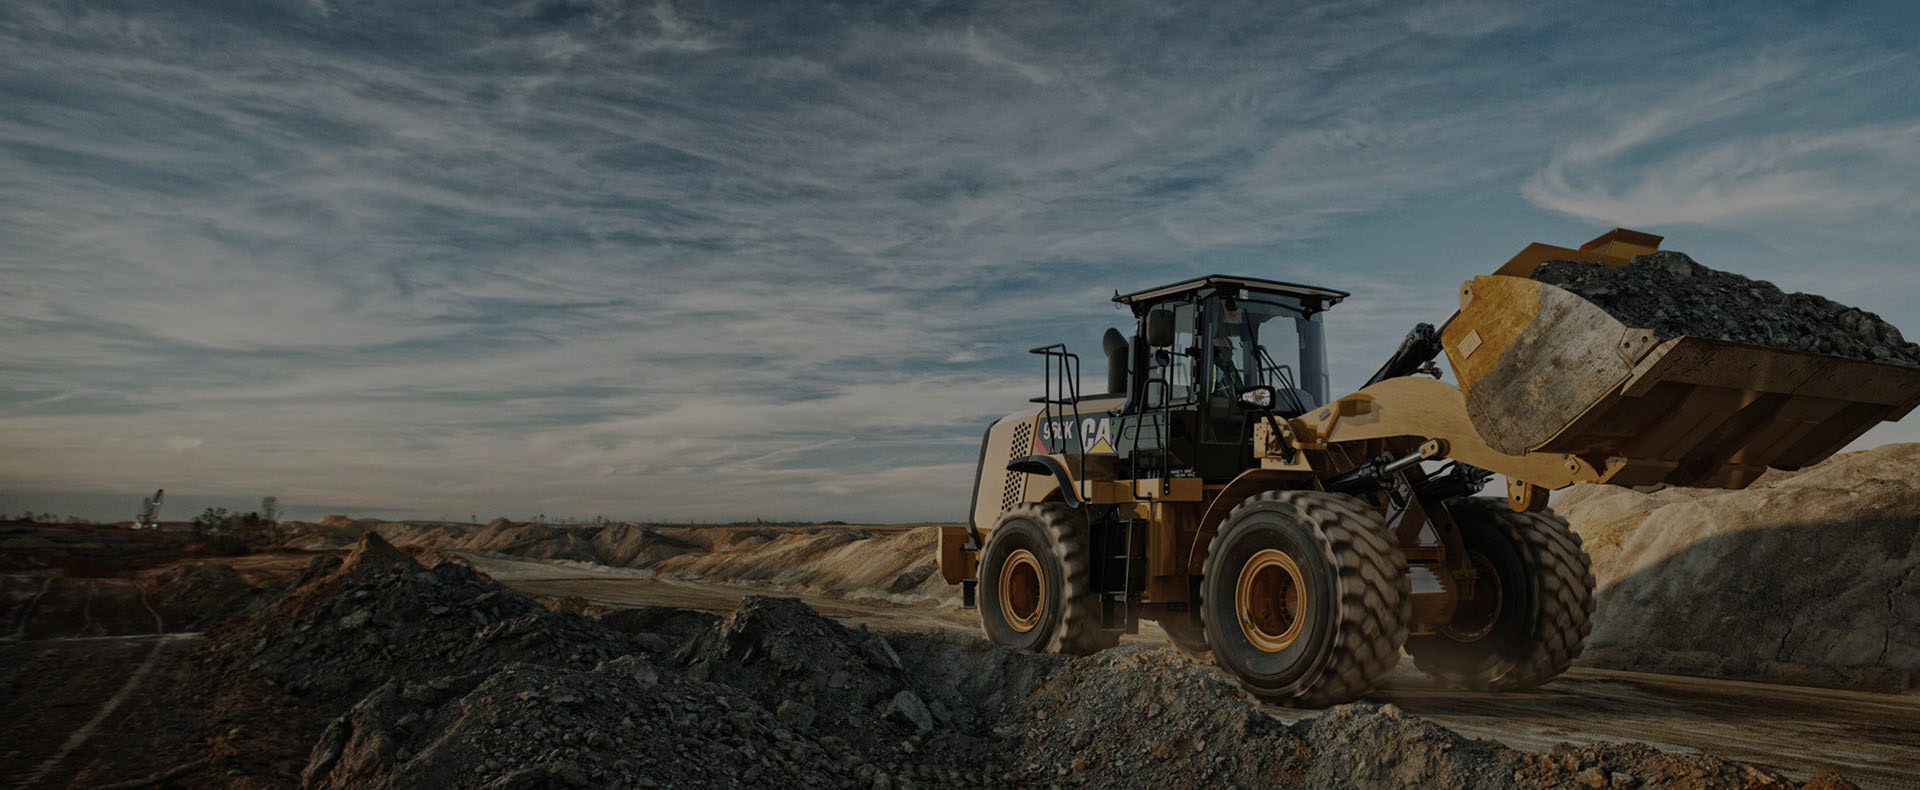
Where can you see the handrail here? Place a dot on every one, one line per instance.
(1067, 378)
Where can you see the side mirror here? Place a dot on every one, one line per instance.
(1258, 396)
(1160, 328)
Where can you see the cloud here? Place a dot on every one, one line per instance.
(1462, 18)
(747, 259)
(1707, 156)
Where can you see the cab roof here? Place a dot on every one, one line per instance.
(1313, 296)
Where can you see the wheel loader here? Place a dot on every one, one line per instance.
(1300, 542)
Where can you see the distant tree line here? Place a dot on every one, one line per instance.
(234, 533)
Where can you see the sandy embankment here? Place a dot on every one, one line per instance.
(1804, 577)
(893, 564)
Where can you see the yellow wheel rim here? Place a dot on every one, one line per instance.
(1021, 594)
(1476, 616)
(1271, 600)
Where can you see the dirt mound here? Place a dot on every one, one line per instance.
(192, 597)
(677, 624)
(1138, 717)
(1671, 294)
(1806, 576)
(374, 556)
(773, 694)
(1145, 717)
(381, 617)
(817, 672)
(624, 723)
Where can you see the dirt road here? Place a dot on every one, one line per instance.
(1874, 739)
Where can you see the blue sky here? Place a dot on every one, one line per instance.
(710, 260)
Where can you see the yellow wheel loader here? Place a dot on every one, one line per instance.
(1300, 542)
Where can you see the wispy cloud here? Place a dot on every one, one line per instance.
(1463, 17)
(1731, 149)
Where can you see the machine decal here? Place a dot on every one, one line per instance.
(1063, 434)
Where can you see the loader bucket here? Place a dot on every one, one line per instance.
(1544, 370)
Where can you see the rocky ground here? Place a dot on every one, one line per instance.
(375, 671)
(1672, 295)
(321, 667)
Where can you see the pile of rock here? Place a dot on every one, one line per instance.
(1139, 717)
(1672, 295)
(623, 723)
(438, 678)
(192, 597)
(370, 623)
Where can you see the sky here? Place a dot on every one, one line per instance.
(707, 261)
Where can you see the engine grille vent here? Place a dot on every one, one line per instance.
(1016, 481)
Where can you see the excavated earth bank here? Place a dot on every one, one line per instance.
(1809, 577)
(439, 678)
(1672, 295)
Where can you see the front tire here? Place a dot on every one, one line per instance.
(1190, 640)
(1036, 591)
(1304, 597)
(1532, 608)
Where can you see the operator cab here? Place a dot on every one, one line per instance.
(1208, 357)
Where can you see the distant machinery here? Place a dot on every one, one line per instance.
(149, 517)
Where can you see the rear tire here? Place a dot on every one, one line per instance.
(1539, 614)
(1035, 589)
(1304, 597)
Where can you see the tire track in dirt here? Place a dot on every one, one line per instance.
(159, 623)
(26, 612)
(79, 736)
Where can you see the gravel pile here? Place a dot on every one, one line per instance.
(382, 617)
(199, 595)
(1672, 295)
(623, 723)
(1141, 717)
(920, 711)
(822, 673)
(1136, 717)
(438, 678)
(658, 628)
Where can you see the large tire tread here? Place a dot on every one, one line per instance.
(1373, 593)
(1079, 632)
(1563, 588)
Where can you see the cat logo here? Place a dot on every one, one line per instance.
(1063, 435)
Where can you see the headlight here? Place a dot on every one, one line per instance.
(1257, 397)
